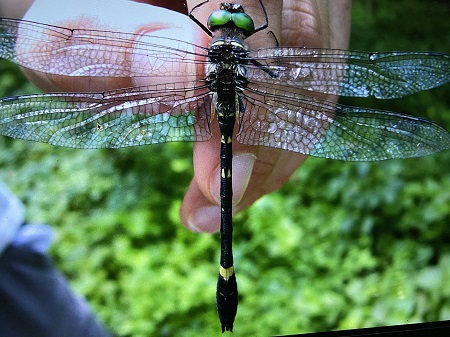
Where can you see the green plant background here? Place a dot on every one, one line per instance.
(340, 246)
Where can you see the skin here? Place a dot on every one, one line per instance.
(256, 170)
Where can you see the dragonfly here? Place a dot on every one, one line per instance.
(276, 97)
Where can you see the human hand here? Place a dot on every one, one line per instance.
(257, 170)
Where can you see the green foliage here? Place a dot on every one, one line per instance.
(340, 246)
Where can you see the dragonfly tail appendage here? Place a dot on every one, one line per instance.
(227, 298)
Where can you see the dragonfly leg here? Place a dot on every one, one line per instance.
(198, 23)
(266, 24)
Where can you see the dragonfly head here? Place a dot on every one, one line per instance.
(231, 15)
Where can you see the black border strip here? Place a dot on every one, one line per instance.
(439, 328)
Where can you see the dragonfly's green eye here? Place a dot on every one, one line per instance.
(218, 19)
(244, 22)
(223, 17)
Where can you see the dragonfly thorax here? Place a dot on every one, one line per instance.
(226, 77)
(227, 74)
(227, 69)
(227, 47)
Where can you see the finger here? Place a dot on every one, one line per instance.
(107, 15)
(316, 23)
(272, 169)
(207, 182)
(305, 23)
(199, 214)
(14, 9)
(340, 20)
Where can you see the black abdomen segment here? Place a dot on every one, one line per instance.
(227, 294)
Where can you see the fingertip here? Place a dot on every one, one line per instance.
(201, 214)
(205, 219)
(198, 213)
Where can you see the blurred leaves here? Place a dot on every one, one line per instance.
(340, 246)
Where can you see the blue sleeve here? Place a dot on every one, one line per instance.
(12, 216)
(35, 298)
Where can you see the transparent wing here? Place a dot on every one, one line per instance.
(276, 116)
(118, 118)
(291, 121)
(350, 73)
(84, 52)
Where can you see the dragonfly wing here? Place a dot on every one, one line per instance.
(350, 73)
(113, 119)
(304, 124)
(83, 52)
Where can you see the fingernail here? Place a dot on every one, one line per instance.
(242, 168)
(205, 219)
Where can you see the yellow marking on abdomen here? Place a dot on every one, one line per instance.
(226, 174)
(226, 273)
(225, 141)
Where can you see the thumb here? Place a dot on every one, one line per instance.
(108, 60)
